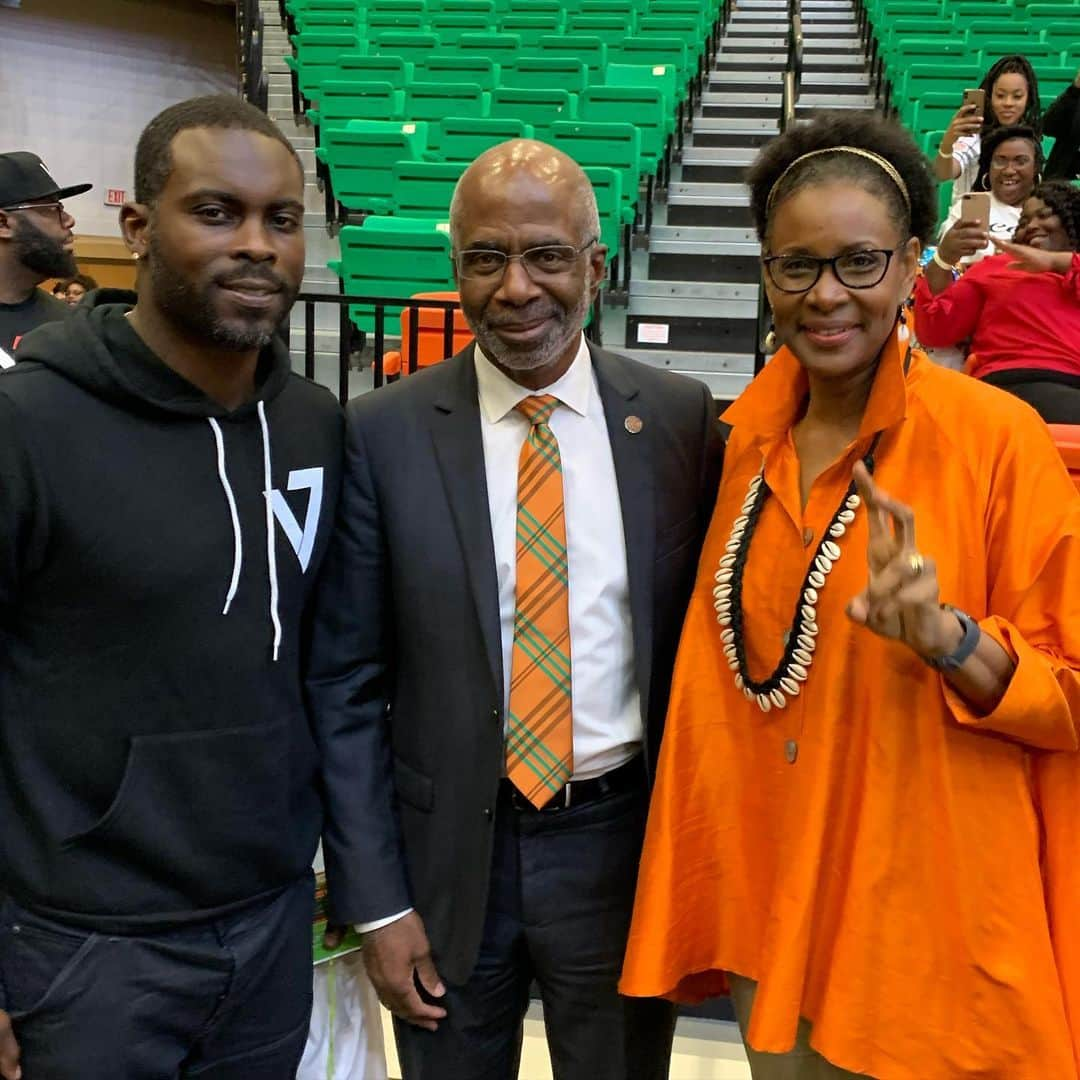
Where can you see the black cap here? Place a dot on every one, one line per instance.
(24, 178)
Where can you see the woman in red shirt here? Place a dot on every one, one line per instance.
(1021, 309)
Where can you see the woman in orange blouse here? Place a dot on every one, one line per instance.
(843, 830)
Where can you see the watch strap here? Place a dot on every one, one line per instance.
(968, 643)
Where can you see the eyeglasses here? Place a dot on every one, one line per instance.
(853, 269)
(57, 206)
(549, 261)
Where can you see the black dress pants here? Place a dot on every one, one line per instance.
(559, 905)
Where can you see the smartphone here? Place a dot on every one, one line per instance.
(975, 206)
(976, 98)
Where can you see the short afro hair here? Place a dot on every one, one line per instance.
(153, 154)
(1064, 199)
(990, 143)
(865, 131)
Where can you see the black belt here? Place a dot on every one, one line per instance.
(581, 792)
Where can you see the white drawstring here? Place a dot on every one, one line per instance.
(271, 558)
(238, 542)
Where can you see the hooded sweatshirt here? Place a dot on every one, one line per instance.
(157, 555)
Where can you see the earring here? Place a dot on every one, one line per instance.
(1038, 179)
(770, 340)
(902, 331)
(986, 182)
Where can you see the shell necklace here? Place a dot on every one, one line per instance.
(801, 640)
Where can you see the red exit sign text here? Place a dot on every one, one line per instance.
(115, 196)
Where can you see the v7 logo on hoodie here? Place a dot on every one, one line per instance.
(302, 540)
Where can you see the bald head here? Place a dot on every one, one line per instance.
(519, 166)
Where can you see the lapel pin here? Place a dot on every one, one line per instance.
(633, 424)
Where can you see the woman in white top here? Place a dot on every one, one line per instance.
(1012, 97)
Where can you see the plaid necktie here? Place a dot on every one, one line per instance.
(540, 744)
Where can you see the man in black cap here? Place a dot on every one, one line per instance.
(36, 242)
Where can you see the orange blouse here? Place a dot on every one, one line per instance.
(886, 885)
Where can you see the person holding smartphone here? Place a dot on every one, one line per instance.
(1011, 95)
(1020, 308)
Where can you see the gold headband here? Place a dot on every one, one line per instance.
(877, 159)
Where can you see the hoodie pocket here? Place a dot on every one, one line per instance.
(205, 812)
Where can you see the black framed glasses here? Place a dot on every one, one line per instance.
(853, 269)
(547, 261)
(57, 207)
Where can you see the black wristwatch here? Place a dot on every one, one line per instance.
(968, 643)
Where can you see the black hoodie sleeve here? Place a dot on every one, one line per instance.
(347, 685)
(22, 509)
(1060, 118)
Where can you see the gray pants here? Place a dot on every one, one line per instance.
(801, 1062)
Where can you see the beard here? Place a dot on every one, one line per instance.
(41, 253)
(566, 325)
(192, 306)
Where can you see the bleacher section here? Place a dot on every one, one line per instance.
(664, 101)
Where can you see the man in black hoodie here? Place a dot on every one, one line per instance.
(167, 487)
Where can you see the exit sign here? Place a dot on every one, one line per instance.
(115, 196)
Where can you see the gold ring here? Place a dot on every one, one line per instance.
(916, 564)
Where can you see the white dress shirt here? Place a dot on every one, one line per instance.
(606, 704)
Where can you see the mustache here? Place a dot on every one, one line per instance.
(525, 314)
(246, 277)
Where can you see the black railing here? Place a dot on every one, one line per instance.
(251, 78)
(349, 336)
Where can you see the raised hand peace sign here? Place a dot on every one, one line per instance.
(901, 599)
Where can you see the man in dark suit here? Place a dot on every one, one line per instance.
(518, 538)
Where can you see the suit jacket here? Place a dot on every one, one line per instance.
(406, 682)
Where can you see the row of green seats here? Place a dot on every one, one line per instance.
(360, 158)
(642, 105)
(323, 55)
(408, 252)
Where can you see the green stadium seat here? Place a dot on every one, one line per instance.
(410, 46)
(482, 7)
(607, 185)
(610, 29)
(589, 49)
(499, 48)
(393, 259)
(1039, 53)
(536, 7)
(450, 25)
(318, 19)
(656, 51)
(432, 101)
(446, 67)
(362, 67)
(465, 138)
(360, 158)
(546, 72)
(612, 145)
(379, 22)
(1061, 35)
(962, 11)
(343, 101)
(540, 108)
(951, 78)
(423, 189)
(932, 111)
(316, 58)
(642, 106)
(531, 28)
(662, 75)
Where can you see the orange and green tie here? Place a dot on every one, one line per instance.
(540, 742)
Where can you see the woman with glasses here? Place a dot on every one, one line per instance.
(885, 627)
(1020, 308)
